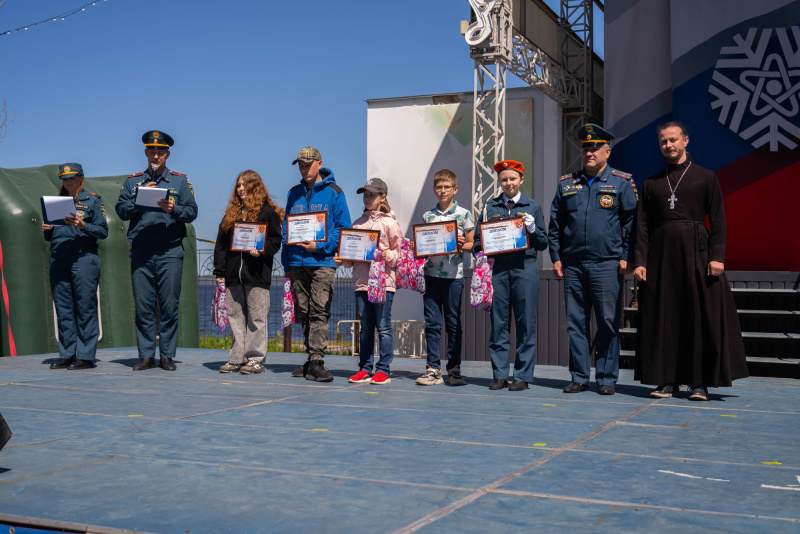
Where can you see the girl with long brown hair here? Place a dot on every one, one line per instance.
(247, 274)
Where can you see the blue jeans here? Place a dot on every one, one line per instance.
(443, 294)
(375, 315)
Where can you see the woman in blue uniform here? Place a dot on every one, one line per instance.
(75, 271)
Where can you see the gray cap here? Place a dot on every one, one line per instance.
(374, 185)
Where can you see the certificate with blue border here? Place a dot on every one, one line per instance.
(436, 239)
(248, 236)
(505, 235)
(357, 245)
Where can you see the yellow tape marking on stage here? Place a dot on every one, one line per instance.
(319, 429)
(540, 444)
(771, 463)
(549, 405)
(135, 416)
(227, 384)
(371, 392)
(728, 415)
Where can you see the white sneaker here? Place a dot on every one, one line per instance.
(252, 367)
(432, 377)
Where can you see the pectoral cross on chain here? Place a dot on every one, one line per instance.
(672, 200)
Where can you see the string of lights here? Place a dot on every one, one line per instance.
(55, 18)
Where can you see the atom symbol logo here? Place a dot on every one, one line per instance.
(764, 106)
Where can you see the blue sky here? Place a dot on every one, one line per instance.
(241, 84)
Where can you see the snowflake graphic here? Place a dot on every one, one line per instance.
(756, 86)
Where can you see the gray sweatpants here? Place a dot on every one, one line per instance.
(248, 307)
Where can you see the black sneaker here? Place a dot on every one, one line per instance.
(663, 392)
(454, 377)
(300, 372)
(317, 372)
(699, 394)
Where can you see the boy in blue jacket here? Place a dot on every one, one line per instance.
(310, 264)
(515, 280)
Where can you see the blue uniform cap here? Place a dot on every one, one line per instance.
(70, 170)
(157, 138)
(592, 135)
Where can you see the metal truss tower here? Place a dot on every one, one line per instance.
(498, 48)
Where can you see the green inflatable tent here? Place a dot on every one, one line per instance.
(27, 320)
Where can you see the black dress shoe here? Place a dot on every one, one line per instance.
(145, 363)
(518, 385)
(62, 363)
(498, 383)
(605, 390)
(167, 364)
(81, 364)
(574, 387)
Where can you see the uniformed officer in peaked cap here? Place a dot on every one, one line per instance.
(591, 245)
(75, 271)
(156, 236)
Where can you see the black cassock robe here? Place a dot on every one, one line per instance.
(688, 332)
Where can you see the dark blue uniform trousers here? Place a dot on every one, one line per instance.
(156, 273)
(515, 283)
(73, 284)
(593, 285)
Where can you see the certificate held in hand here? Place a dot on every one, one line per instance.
(505, 235)
(147, 198)
(248, 236)
(311, 226)
(357, 245)
(434, 239)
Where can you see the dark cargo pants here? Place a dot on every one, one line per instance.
(313, 291)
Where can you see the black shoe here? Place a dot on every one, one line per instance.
(145, 363)
(167, 364)
(317, 372)
(518, 385)
(454, 377)
(498, 383)
(605, 390)
(81, 364)
(62, 363)
(300, 372)
(574, 387)
(699, 394)
(663, 392)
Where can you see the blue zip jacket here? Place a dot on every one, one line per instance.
(68, 240)
(593, 223)
(495, 210)
(157, 229)
(325, 196)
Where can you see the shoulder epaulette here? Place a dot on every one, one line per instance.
(95, 195)
(135, 175)
(175, 173)
(621, 174)
(567, 176)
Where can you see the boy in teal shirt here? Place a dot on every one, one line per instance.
(444, 283)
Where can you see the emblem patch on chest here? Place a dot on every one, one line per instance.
(606, 201)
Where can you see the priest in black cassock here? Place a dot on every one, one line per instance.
(688, 330)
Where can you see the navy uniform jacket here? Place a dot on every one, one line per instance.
(68, 240)
(496, 209)
(157, 229)
(593, 223)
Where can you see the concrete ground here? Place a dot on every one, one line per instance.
(196, 451)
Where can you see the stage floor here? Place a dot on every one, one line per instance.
(195, 451)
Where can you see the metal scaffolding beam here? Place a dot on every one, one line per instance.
(497, 48)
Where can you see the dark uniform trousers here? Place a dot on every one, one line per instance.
(156, 272)
(73, 284)
(593, 285)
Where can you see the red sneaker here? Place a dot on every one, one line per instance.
(380, 378)
(359, 378)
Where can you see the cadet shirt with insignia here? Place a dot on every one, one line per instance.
(452, 265)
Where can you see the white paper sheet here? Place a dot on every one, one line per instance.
(56, 209)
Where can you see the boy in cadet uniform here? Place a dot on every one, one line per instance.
(591, 245)
(310, 264)
(156, 249)
(515, 279)
(444, 283)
